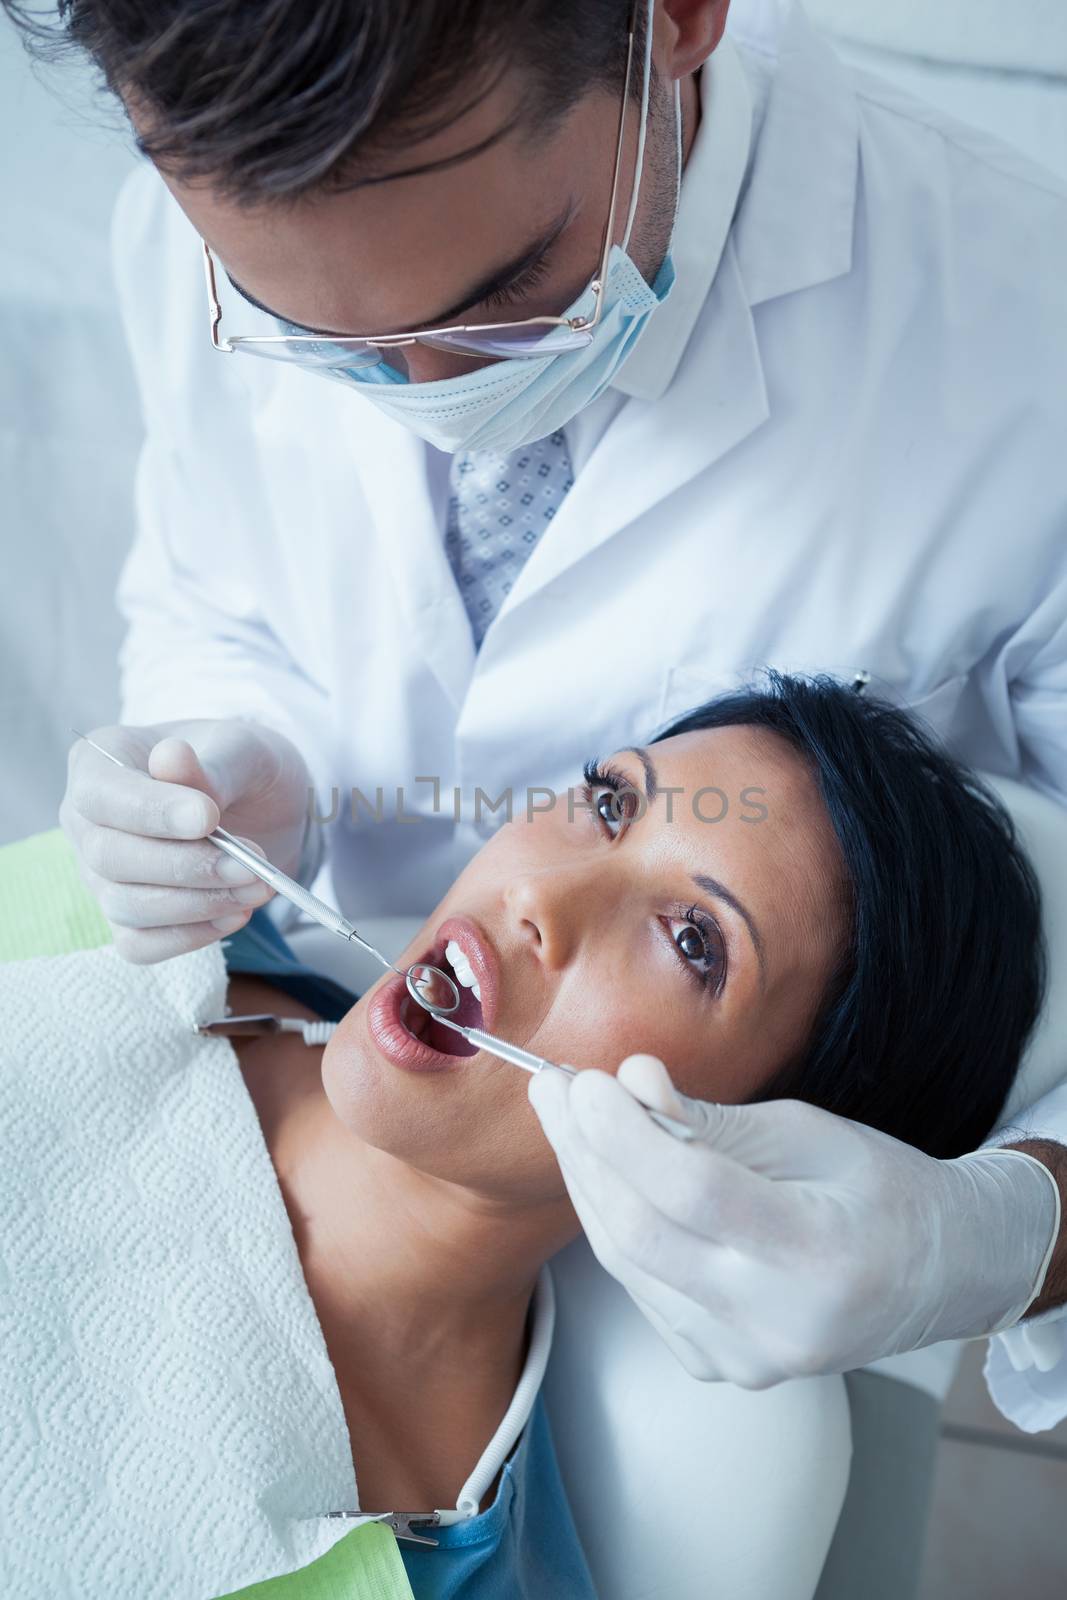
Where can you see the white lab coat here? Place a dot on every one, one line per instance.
(840, 445)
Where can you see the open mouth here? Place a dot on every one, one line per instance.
(410, 1036)
(428, 1029)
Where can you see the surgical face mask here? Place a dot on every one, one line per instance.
(513, 402)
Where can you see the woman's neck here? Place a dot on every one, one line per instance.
(422, 1288)
(413, 1264)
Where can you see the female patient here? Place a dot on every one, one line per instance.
(863, 933)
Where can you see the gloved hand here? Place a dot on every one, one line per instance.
(136, 833)
(785, 1241)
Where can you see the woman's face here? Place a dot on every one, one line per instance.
(625, 926)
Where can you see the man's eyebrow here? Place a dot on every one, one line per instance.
(701, 880)
(500, 278)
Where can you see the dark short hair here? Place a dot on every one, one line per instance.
(924, 1023)
(271, 99)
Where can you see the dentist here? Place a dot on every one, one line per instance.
(657, 351)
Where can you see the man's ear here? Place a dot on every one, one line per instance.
(687, 33)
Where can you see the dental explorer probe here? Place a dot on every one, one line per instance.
(307, 902)
(529, 1062)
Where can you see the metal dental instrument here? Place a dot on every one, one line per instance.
(534, 1063)
(263, 1022)
(310, 904)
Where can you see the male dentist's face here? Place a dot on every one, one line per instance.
(489, 234)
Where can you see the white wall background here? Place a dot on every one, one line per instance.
(68, 431)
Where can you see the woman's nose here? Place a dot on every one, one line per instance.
(550, 906)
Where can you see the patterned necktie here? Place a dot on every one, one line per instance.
(498, 507)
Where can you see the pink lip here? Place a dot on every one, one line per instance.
(383, 1014)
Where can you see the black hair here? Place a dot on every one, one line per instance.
(923, 1025)
(272, 99)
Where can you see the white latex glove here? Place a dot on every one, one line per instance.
(137, 834)
(785, 1241)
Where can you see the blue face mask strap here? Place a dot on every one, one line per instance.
(678, 142)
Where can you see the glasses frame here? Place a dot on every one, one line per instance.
(388, 341)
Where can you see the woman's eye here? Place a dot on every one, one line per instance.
(608, 795)
(702, 946)
(613, 801)
(613, 807)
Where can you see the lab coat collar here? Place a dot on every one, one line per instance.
(794, 228)
(716, 399)
(710, 186)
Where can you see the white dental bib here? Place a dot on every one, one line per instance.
(172, 1423)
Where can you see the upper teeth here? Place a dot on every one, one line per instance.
(462, 968)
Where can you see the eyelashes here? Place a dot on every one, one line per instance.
(512, 293)
(602, 777)
(712, 945)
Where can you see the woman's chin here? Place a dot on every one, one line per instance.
(359, 1083)
(480, 1134)
(403, 1114)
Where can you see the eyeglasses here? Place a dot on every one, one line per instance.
(532, 336)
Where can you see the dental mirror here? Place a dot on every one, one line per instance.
(433, 989)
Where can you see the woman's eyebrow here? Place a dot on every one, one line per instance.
(701, 880)
(721, 892)
(651, 778)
